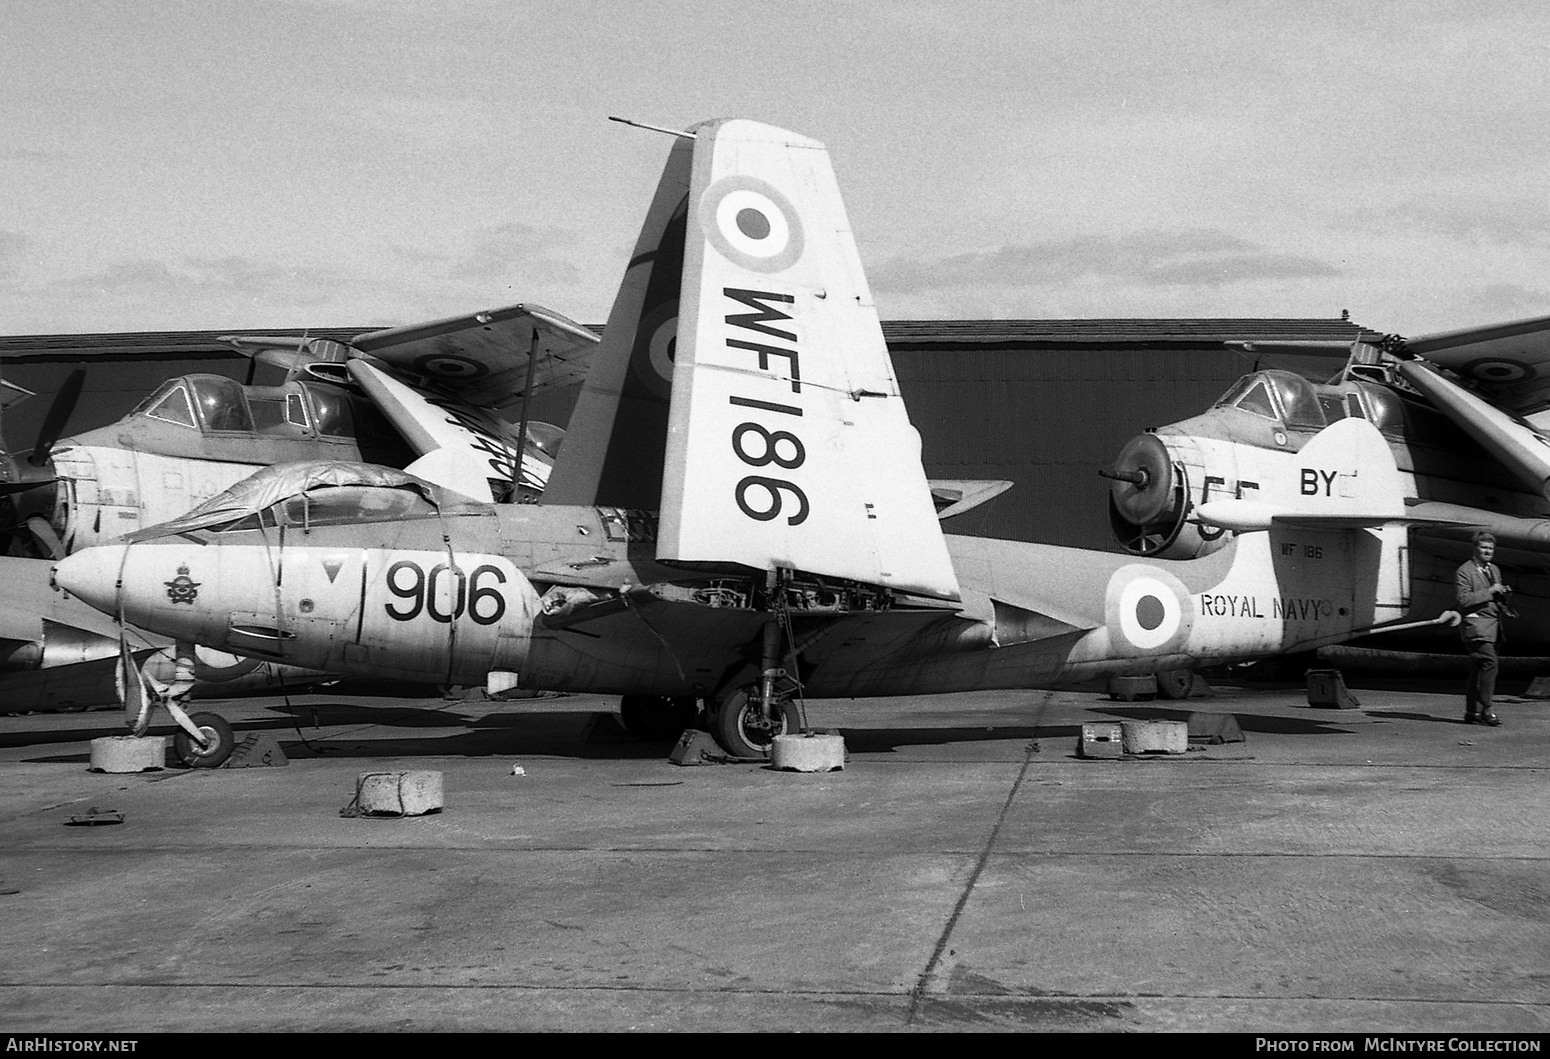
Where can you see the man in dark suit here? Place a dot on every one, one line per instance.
(1481, 597)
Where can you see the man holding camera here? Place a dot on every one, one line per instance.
(1482, 600)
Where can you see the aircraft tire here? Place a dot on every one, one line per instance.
(657, 717)
(1175, 683)
(217, 731)
(742, 731)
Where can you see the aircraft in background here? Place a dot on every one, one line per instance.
(426, 398)
(1465, 416)
(402, 397)
(739, 516)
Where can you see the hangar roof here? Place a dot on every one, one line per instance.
(898, 333)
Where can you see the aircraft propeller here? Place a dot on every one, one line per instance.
(1146, 505)
(28, 486)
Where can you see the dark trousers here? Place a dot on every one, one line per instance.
(1482, 678)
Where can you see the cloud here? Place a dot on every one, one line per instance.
(197, 278)
(1192, 258)
(1478, 222)
(13, 247)
(513, 250)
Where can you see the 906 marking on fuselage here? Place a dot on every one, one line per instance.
(425, 592)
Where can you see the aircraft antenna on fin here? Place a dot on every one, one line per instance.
(527, 401)
(654, 128)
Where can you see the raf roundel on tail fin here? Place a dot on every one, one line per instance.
(789, 444)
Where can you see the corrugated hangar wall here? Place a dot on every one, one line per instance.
(1047, 419)
(1042, 403)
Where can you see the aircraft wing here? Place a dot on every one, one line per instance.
(483, 358)
(461, 447)
(1510, 362)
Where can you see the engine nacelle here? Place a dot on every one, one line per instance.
(1151, 499)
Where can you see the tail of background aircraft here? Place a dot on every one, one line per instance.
(614, 443)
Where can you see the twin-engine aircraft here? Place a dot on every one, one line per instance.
(738, 516)
(430, 398)
(1463, 416)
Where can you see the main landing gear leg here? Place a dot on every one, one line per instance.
(748, 721)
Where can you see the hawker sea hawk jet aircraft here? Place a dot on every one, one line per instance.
(429, 397)
(738, 516)
(1464, 416)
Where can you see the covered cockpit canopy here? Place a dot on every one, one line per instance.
(308, 493)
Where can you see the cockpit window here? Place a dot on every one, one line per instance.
(1299, 401)
(331, 409)
(352, 503)
(1384, 409)
(174, 407)
(1257, 400)
(222, 405)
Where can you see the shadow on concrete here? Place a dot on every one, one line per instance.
(1249, 722)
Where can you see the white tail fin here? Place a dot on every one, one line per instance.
(788, 444)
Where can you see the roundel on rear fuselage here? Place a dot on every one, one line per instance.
(1148, 611)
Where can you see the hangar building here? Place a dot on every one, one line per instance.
(1042, 403)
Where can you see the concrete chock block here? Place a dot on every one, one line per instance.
(1155, 737)
(1327, 690)
(256, 750)
(399, 793)
(808, 752)
(1539, 688)
(128, 753)
(1214, 728)
(1100, 739)
(1129, 689)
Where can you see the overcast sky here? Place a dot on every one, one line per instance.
(294, 163)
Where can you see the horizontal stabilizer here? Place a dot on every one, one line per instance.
(954, 496)
(1345, 477)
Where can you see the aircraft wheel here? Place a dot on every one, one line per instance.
(219, 740)
(654, 717)
(1175, 683)
(742, 729)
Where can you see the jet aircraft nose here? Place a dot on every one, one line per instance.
(92, 575)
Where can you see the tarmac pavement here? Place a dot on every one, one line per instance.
(1379, 869)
